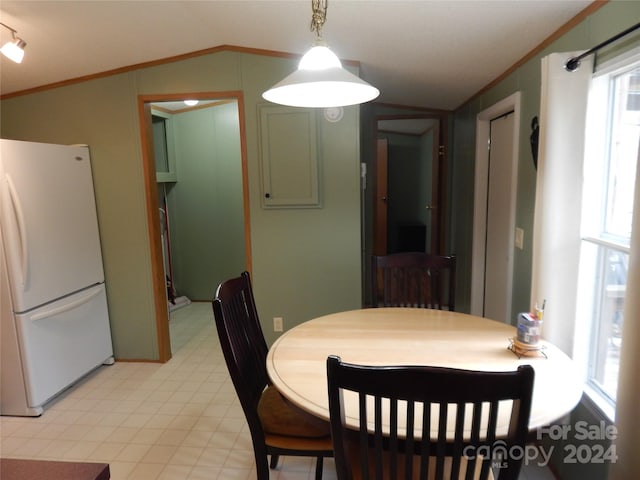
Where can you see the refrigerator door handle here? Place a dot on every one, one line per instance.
(22, 230)
(65, 308)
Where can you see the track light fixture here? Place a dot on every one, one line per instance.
(320, 80)
(13, 50)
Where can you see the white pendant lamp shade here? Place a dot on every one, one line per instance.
(320, 82)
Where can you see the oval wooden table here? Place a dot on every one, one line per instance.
(412, 336)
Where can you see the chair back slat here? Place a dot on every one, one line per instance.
(413, 279)
(441, 447)
(403, 403)
(410, 434)
(426, 446)
(364, 436)
(458, 440)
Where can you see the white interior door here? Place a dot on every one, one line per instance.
(503, 187)
(499, 244)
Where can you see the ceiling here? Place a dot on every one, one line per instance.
(425, 53)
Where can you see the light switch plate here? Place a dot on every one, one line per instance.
(278, 324)
(519, 238)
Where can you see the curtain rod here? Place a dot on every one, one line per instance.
(573, 63)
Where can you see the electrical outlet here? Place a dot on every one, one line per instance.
(277, 324)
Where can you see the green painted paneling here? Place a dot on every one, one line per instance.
(207, 223)
(305, 263)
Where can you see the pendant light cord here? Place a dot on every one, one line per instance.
(318, 16)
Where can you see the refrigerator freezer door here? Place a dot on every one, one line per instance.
(63, 341)
(48, 221)
(13, 395)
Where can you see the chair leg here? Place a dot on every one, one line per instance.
(274, 461)
(262, 468)
(319, 463)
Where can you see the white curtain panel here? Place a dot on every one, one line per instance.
(556, 242)
(556, 233)
(627, 417)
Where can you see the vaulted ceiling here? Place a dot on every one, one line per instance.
(429, 53)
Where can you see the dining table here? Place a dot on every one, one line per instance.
(296, 362)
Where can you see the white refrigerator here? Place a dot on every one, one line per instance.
(54, 320)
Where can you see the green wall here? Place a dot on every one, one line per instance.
(612, 18)
(207, 224)
(305, 262)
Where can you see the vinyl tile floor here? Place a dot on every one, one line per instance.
(180, 420)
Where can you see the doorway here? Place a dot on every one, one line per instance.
(197, 189)
(409, 196)
(495, 209)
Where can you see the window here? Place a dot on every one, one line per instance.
(611, 158)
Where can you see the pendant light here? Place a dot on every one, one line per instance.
(13, 50)
(320, 81)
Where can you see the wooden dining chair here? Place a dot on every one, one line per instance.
(462, 401)
(413, 279)
(277, 427)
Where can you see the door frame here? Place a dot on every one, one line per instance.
(511, 103)
(380, 207)
(151, 200)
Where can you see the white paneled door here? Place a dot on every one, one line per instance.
(499, 249)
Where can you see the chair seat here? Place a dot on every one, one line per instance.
(279, 417)
(319, 444)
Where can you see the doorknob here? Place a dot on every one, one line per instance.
(384, 199)
(431, 207)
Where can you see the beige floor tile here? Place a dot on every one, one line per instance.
(186, 455)
(80, 451)
(146, 471)
(147, 436)
(123, 434)
(173, 437)
(133, 453)
(121, 470)
(159, 454)
(197, 438)
(175, 472)
(106, 452)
